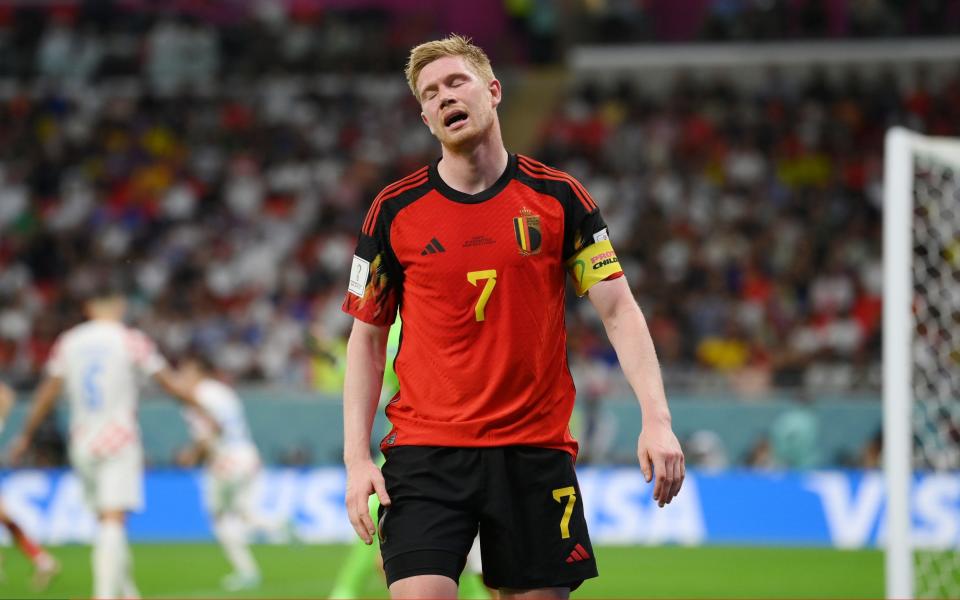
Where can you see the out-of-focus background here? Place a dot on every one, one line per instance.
(222, 154)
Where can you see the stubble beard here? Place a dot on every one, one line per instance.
(465, 141)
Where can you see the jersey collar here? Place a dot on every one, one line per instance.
(448, 192)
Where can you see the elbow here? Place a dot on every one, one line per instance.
(624, 309)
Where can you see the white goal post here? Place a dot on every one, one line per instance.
(921, 348)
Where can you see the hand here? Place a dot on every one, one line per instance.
(363, 479)
(18, 448)
(660, 455)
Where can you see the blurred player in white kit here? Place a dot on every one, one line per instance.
(232, 465)
(100, 364)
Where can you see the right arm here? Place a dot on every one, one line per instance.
(366, 357)
(43, 402)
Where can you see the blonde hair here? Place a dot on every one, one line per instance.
(453, 45)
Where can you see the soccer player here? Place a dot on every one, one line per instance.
(232, 465)
(473, 249)
(98, 363)
(45, 566)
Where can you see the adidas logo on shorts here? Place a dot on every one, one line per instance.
(578, 554)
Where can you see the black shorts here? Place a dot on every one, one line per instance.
(525, 501)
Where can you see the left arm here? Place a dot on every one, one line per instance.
(658, 449)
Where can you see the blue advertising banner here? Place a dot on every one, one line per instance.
(842, 509)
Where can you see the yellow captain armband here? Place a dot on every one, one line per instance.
(594, 263)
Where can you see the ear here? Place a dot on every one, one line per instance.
(423, 117)
(496, 92)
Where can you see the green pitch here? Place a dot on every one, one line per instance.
(194, 571)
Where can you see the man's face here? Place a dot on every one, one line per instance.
(456, 104)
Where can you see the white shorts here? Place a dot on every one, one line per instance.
(474, 564)
(230, 483)
(112, 482)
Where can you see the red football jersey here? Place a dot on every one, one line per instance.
(479, 281)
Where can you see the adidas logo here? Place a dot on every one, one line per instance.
(577, 555)
(433, 247)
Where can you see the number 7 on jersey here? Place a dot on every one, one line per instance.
(473, 277)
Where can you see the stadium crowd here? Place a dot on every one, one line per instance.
(632, 21)
(230, 195)
(234, 213)
(750, 223)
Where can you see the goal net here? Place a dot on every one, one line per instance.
(921, 370)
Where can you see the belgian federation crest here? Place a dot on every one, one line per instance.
(527, 229)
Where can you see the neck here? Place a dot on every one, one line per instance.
(474, 169)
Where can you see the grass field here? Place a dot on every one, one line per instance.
(194, 571)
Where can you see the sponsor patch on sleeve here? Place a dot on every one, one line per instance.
(592, 264)
(359, 271)
(601, 235)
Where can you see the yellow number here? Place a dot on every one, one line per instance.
(566, 492)
(491, 276)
